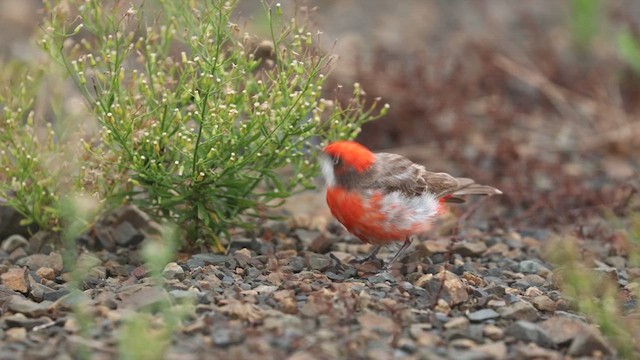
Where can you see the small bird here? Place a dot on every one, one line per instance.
(381, 198)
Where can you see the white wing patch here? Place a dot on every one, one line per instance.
(405, 213)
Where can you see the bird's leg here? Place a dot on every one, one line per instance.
(407, 243)
(371, 256)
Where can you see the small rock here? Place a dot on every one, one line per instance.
(529, 332)
(442, 307)
(302, 355)
(617, 262)
(16, 279)
(107, 299)
(370, 322)
(319, 262)
(68, 302)
(544, 303)
(493, 332)
(98, 272)
(38, 290)
(462, 343)
(511, 297)
(471, 249)
(288, 305)
(422, 335)
(322, 244)
(520, 285)
(521, 310)
(19, 320)
(563, 329)
(533, 267)
(124, 227)
(196, 326)
(245, 311)
(534, 279)
(495, 350)
(211, 259)
(13, 242)
(126, 234)
(46, 273)
(265, 289)
(115, 269)
(483, 315)
(5, 294)
(36, 261)
(140, 272)
(246, 261)
(224, 337)
(55, 295)
(16, 334)
(229, 280)
(588, 342)
(10, 221)
(434, 247)
(71, 325)
(276, 227)
(30, 308)
(532, 292)
(39, 242)
(306, 236)
(184, 294)
(296, 263)
(452, 290)
(173, 271)
(532, 351)
(459, 322)
(473, 279)
(139, 296)
(17, 254)
(497, 290)
(244, 252)
(381, 278)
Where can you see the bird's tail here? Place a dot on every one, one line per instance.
(476, 189)
(469, 187)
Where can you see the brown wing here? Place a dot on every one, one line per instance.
(443, 184)
(396, 173)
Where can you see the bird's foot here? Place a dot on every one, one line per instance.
(369, 258)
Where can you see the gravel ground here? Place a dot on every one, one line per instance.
(290, 291)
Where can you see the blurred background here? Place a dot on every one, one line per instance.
(539, 98)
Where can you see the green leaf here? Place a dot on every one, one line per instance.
(629, 49)
(586, 17)
(25, 222)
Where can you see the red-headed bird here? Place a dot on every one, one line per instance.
(381, 197)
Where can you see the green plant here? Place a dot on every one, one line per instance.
(587, 19)
(634, 237)
(156, 324)
(25, 181)
(145, 334)
(629, 49)
(596, 295)
(198, 121)
(76, 210)
(586, 16)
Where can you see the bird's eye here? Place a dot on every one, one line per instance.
(336, 160)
